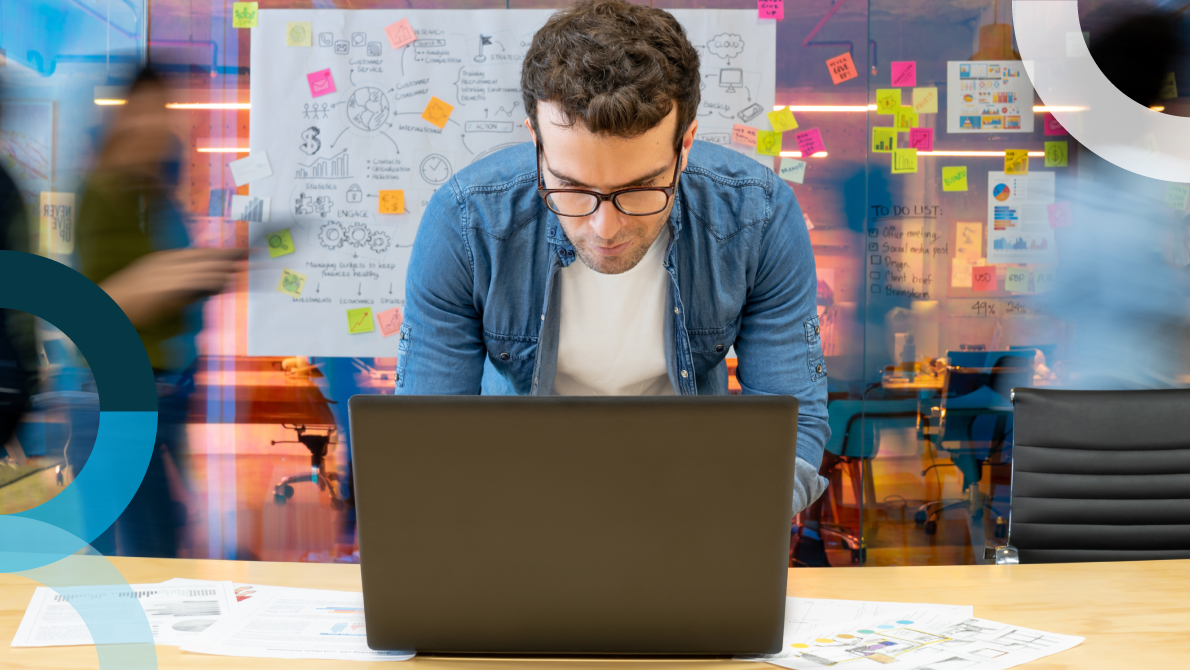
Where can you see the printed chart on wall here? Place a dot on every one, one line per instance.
(362, 115)
(1018, 219)
(988, 97)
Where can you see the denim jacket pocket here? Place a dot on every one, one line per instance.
(512, 355)
(404, 341)
(815, 361)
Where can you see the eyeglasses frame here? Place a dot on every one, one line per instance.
(601, 198)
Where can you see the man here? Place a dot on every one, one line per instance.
(657, 255)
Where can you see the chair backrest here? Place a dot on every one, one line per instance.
(1101, 475)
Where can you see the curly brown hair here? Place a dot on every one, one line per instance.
(616, 67)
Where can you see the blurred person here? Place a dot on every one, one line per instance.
(18, 345)
(133, 242)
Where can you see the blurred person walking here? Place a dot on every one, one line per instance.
(18, 346)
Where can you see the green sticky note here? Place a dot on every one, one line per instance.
(244, 14)
(359, 320)
(888, 100)
(782, 120)
(280, 243)
(954, 178)
(768, 142)
(884, 140)
(904, 161)
(1055, 154)
(1016, 280)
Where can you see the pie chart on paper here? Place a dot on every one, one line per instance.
(1001, 192)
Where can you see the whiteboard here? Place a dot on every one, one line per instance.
(331, 155)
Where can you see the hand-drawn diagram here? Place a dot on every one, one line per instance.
(305, 204)
(368, 109)
(484, 40)
(310, 142)
(355, 194)
(334, 234)
(334, 167)
(435, 169)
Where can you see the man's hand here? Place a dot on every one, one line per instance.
(164, 282)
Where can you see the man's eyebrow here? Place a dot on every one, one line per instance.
(635, 182)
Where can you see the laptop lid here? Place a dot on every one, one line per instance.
(574, 525)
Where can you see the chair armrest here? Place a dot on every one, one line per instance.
(1003, 554)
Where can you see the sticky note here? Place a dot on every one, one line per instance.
(1055, 154)
(960, 271)
(968, 241)
(1016, 161)
(244, 14)
(1016, 280)
(1060, 214)
(280, 243)
(884, 140)
(921, 139)
(810, 142)
(1176, 196)
(437, 112)
(906, 119)
(954, 178)
(291, 283)
(782, 120)
(400, 34)
(793, 170)
(842, 68)
(904, 72)
(888, 100)
(1169, 89)
(321, 83)
(983, 278)
(1052, 127)
(392, 202)
(770, 9)
(768, 142)
(390, 321)
(925, 100)
(745, 135)
(359, 320)
(298, 34)
(904, 161)
(251, 168)
(1043, 279)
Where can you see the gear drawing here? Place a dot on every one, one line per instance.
(358, 235)
(332, 235)
(379, 241)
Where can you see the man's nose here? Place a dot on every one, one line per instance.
(606, 221)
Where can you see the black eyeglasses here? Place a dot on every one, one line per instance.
(635, 201)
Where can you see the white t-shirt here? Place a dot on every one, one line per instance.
(612, 339)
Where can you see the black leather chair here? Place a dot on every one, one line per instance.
(1100, 476)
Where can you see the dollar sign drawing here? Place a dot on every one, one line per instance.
(311, 143)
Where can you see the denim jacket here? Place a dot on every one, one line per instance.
(482, 296)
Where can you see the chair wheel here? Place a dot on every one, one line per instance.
(920, 517)
(279, 500)
(287, 491)
(931, 527)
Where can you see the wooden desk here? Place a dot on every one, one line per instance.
(1132, 614)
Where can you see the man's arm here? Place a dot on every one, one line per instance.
(440, 351)
(779, 348)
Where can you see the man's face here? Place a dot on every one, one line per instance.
(609, 241)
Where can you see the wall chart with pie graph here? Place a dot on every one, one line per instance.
(407, 119)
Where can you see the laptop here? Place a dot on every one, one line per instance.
(515, 525)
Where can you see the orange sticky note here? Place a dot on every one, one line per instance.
(983, 278)
(392, 202)
(400, 34)
(390, 321)
(841, 68)
(745, 135)
(438, 112)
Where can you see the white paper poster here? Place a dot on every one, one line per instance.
(352, 125)
(992, 96)
(1018, 220)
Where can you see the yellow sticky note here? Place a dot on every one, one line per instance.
(244, 14)
(1016, 161)
(782, 120)
(906, 119)
(1170, 88)
(298, 34)
(904, 161)
(291, 283)
(925, 100)
(392, 202)
(280, 243)
(359, 320)
(768, 142)
(438, 112)
(954, 178)
(884, 140)
(1055, 154)
(1016, 280)
(888, 100)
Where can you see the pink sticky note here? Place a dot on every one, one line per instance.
(321, 83)
(983, 278)
(904, 73)
(1052, 127)
(400, 34)
(921, 139)
(389, 321)
(810, 142)
(770, 9)
(1060, 214)
(745, 135)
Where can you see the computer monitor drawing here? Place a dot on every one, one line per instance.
(730, 77)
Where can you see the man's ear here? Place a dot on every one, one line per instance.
(688, 141)
(532, 135)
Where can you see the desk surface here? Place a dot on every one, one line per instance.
(1132, 614)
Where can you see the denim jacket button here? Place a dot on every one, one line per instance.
(718, 348)
(685, 375)
(676, 311)
(543, 317)
(504, 356)
(816, 330)
(818, 369)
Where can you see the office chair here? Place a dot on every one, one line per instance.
(318, 445)
(969, 393)
(1099, 476)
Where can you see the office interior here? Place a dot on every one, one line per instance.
(927, 321)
